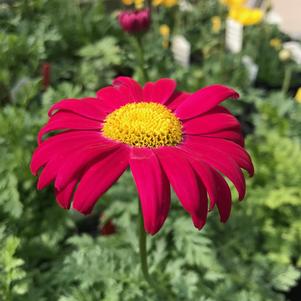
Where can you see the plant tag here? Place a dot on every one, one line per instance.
(181, 50)
(234, 36)
(295, 50)
(251, 67)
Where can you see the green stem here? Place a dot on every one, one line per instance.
(149, 4)
(8, 295)
(143, 250)
(287, 79)
(141, 62)
(144, 263)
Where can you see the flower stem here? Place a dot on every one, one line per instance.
(141, 59)
(149, 4)
(143, 250)
(287, 79)
(144, 263)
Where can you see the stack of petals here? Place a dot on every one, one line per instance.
(166, 137)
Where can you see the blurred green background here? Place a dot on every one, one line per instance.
(55, 49)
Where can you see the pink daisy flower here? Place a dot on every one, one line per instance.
(166, 137)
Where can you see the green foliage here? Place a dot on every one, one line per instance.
(13, 277)
(258, 46)
(98, 59)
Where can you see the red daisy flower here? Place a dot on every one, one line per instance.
(164, 136)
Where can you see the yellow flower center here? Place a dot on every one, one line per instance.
(143, 124)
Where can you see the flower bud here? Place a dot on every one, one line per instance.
(298, 95)
(275, 43)
(284, 55)
(135, 21)
(46, 75)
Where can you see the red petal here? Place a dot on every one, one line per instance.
(229, 148)
(225, 164)
(98, 179)
(153, 188)
(68, 121)
(49, 172)
(231, 135)
(189, 190)
(217, 188)
(159, 91)
(64, 143)
(64, 196)
(86, 107)
(130, 90)
(176, 99)
(206, 124)
(77, 160)
(204, 100)
(111, 99)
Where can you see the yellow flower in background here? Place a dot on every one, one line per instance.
(246, 16)
(164, 30)
(139, 4)
(170, 3)
(157, 2)
(216, 23)
(165, 33)
(233, 2)
(276, 43)
(127, 2)
(166, 3)
(298, 95)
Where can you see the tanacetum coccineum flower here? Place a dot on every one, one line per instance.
(163, 135)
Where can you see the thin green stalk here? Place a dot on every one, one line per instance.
(143, 250)
(8, 295)
(141, 59)
(149, 4)
(287, 79)
(144, 262)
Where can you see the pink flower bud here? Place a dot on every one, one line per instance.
(135, 21)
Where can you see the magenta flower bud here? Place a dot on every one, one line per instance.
(135, 21)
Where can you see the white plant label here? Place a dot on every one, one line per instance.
(251, 67)
(234, 36)
(181, 50)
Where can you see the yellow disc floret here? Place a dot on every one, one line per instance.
(143, 124)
